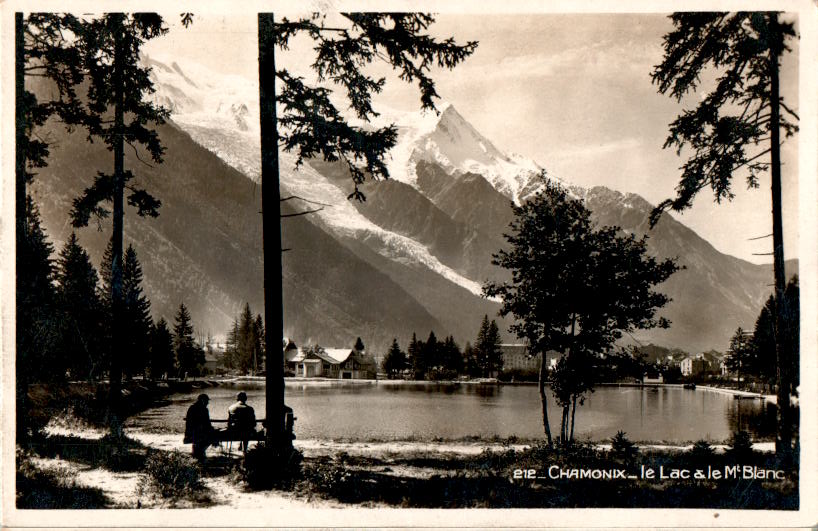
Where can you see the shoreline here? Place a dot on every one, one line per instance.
(374, 447)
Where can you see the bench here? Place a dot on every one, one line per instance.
(230, 435)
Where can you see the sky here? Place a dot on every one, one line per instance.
(572, 92)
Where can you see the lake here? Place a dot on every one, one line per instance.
(370, 410)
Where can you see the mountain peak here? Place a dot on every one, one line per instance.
(447, 139)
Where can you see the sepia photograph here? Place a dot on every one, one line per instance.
(325, 265)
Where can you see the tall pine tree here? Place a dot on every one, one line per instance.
(42, 49)
(118, 114)
(735, 129)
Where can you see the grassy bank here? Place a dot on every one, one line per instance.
(87, 402)
(496, 479)
(421, 473)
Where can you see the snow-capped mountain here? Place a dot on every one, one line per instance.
(411, 258)
(220, 109)
(221, 114)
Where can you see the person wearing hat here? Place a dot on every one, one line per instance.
(198, 429)
(241, 420)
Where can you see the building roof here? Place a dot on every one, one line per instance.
(330, 355)
(510, 348)
(338, 355)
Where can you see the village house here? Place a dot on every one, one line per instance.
(319, 362)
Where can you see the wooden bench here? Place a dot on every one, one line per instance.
(229, 435)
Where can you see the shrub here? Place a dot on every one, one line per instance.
(622, 447)
(53, 488)
(701, 449)
(265, 468)
(171, 474)
(438, 374)
(741, 446)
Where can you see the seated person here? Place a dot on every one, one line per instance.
(198, 429)
(241, 419)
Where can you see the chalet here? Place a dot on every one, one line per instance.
(338, 363)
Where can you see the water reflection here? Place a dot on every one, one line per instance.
(450, 410)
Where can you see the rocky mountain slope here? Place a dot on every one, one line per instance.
(411, 258)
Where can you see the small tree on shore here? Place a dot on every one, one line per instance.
(574, 288)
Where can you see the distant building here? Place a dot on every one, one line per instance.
(652, 376)
(701, 363)
(516, 356)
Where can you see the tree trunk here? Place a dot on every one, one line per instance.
(573, 416)
(115, 374)
(543, 399)
(564, 426)
(784, 440)
(271, 212)
(20, 206)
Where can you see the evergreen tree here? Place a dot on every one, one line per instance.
(430, 354)
(137, 317)
(41, 50)
(764, 344)
(185, 349)
(493, 351)
(37, 321)
(766, 363)
(487, 348)
(359, 345)
(453, 356)
(231, 347)
(574, 288)
(739, 355)
(792, 332)
(161, 350)
(80, 313)
(245, 347)
(118, 114)
(395, 360)
(415, 353)
(313, 126)
(733, 129)
(470, 362)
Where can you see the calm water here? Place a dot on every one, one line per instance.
(399, 411)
